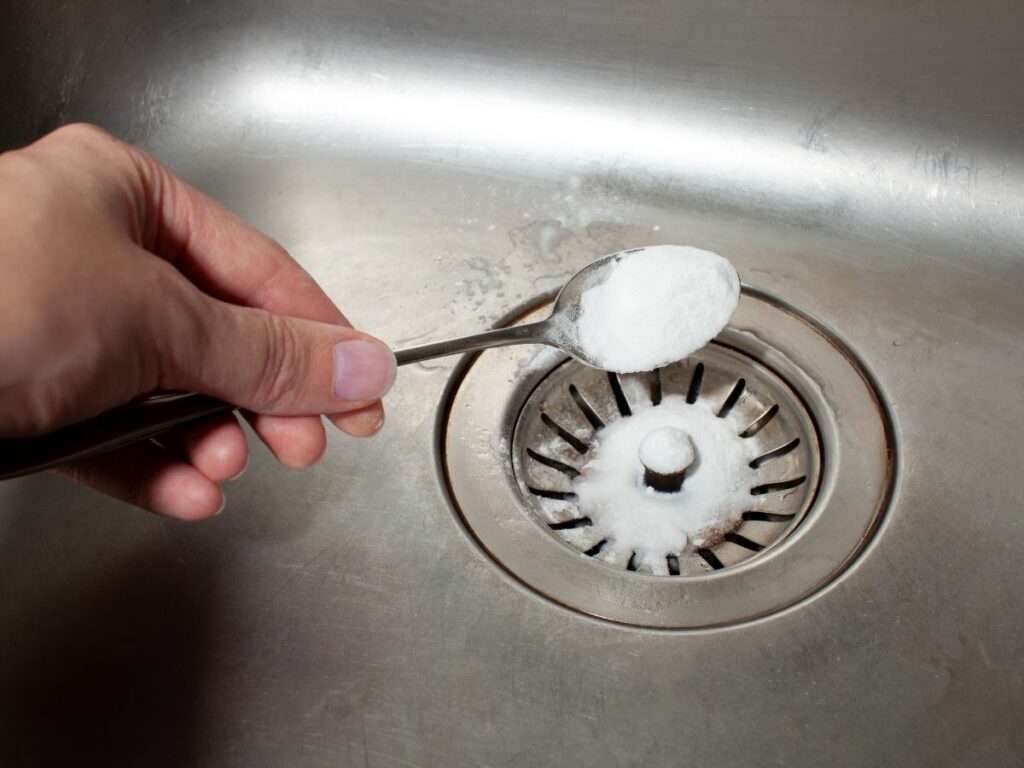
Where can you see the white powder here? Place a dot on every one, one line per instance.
(634, 518)
(666, 450)
(658, 305)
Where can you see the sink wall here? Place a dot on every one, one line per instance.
(435, 165)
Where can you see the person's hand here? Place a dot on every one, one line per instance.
(119, 279)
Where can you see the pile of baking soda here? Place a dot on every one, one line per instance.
(637, 518)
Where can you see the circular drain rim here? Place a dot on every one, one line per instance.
(856, 434)
(572, 400)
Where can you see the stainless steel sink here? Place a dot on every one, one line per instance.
(437, 165)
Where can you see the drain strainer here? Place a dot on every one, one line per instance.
(519, 435)
(555, 439)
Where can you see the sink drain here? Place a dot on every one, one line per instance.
(523, 430)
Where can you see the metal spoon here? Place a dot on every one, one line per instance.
(149, 416)
(558, 330)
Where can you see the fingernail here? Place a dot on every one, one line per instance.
(363, 370)
(240, 472)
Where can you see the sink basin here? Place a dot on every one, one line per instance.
(439, 166)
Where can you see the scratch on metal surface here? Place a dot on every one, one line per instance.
(313, 559)
(815, 134)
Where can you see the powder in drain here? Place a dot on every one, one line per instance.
(633, 517)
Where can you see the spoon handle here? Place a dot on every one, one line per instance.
(126, 424)
(501, 337)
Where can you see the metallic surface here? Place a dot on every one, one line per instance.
(495, 400)
(435, 164)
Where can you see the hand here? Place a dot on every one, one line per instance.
(119, 279)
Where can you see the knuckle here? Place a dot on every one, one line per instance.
(174, 333)
(282, 364)
(104, 153)
(82, 133)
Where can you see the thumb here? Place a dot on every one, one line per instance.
(280, 365)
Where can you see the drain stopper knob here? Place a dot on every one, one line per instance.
(666, 453)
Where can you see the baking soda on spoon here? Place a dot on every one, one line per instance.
(658, 305)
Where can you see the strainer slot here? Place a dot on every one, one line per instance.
(709, 557)
(556, 495)
(673, 565)
(596, 548)
(760, 422)
(566, 435)
(730, 401)
(585, 408)
(633, 562)
(694, 390)
(775, 453)
(656, 386)
(620, 397)
(781, 485)
(547, 461)
(743, 541)
(568, 525)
